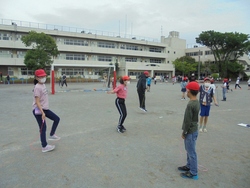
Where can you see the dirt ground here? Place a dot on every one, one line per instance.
(91, 153)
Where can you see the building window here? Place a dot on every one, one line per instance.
(154, 49)
(78, 57)
(10, 71)
(76, 42)
(155, 60)
(20, 54)
(209, 52)
(131, 47)
(5, 36)
(25, 71)
(105, 58)
(5, 53)
(194, 53)
(131, 59)
(106, 45)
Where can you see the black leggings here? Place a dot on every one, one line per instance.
(142, 98)
(120, 104)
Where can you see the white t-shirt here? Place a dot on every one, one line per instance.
(213, 87)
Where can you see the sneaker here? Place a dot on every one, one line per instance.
(143, 109)
(201, 130)
(54, 137)
(120, 130)
(205, 130)
(123, 128)
(183, 168)
(48, 148)
(189, 175)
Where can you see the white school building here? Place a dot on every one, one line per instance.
(80, 49)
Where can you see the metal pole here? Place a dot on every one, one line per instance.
(199, 66)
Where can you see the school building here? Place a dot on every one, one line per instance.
(86, 52)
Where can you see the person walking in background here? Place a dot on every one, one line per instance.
(64, 80)
(190, 132)
(41, 111)
(155, 80)
(224, 89)
(121, 93)
(237, 83)
(206, 94)
(148, 83)
(141, 88)
(173, 80)
(183, 88)
(8, 79)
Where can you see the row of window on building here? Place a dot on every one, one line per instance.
(82, 42)
(83, 57)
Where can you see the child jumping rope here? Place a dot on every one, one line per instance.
(121, 92)
(41, 111)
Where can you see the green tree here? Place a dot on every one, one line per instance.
(185, 64)
(44, 48)
(226, 47)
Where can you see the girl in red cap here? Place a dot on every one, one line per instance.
(121, 93)
(41, 111)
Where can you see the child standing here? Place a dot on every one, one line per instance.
(41, 111)
(224, 89)
(148, 83)
(121, 92)
(206, 94)
(190, 132)
(183, 88)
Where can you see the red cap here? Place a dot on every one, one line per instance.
(193, 86)
(40, 73)
(206, 79)
(225, 80)
(125, 78)
(146, 73)
(212, 81)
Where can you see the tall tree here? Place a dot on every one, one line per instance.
(185, 64)
(44, 48)
(226, 47)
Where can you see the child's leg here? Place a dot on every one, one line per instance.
(42, 129)
(205, 121)
(52, 116)
(190, 144)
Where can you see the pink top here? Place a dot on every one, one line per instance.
(41, 92)
(121, 91)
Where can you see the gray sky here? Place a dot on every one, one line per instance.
(149, 18)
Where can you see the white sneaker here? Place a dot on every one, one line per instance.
(201, 130)
(54, 137)
(48, 148)
(205, 130)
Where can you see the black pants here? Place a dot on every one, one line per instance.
(142, 98)
(120, 104)
(64, 82)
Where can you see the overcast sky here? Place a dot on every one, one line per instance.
(149, 18)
